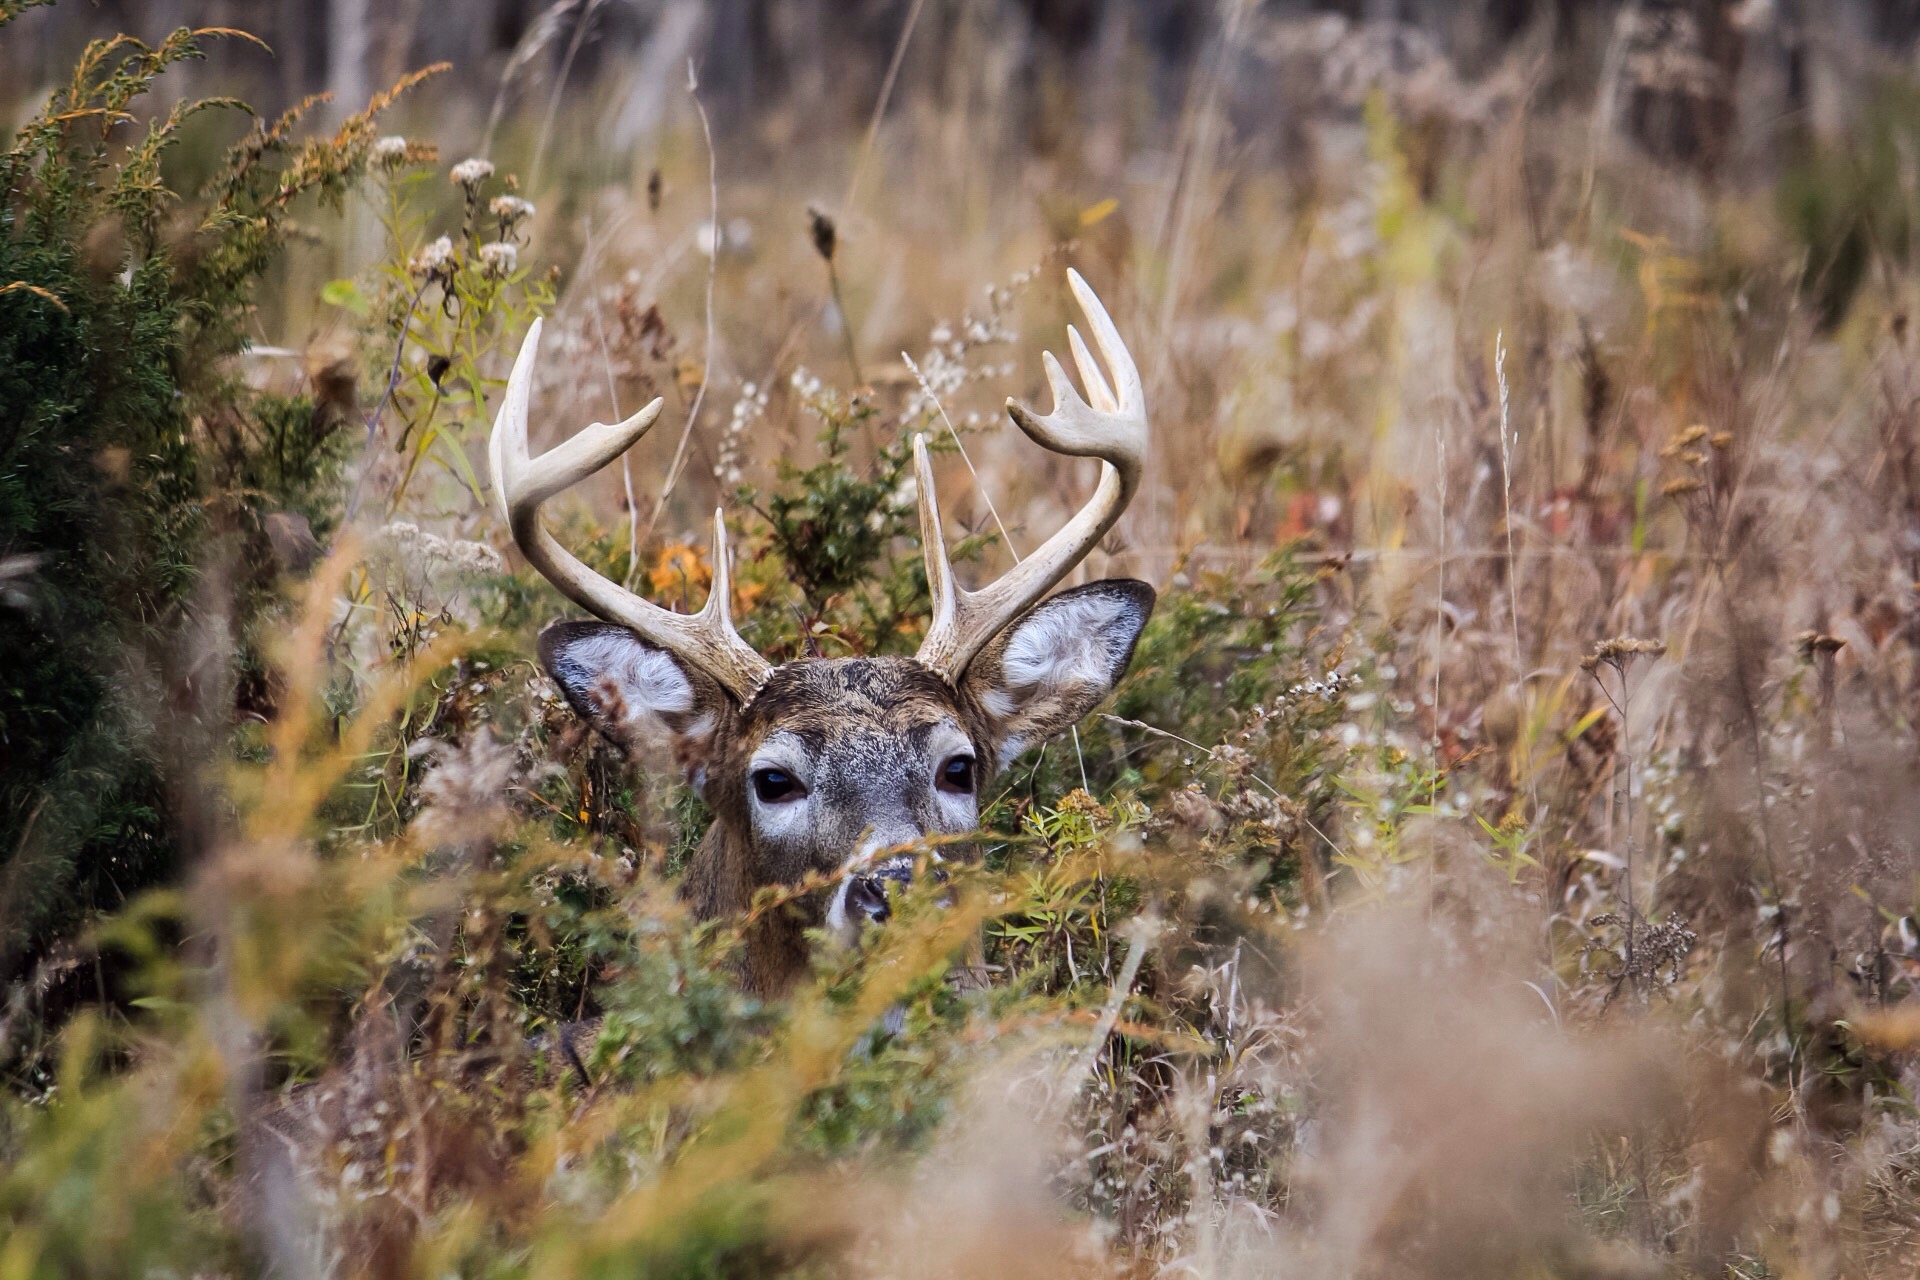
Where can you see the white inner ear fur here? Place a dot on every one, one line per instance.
(630, 687)
(1078, 641)
(1068, 644)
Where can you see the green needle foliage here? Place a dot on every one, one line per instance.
(130, 455)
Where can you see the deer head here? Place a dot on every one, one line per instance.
(821, 766)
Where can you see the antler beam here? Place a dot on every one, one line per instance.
(1110, 424)
(705, 640)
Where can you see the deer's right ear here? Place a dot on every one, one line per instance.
(634, 692)
(1053, 666)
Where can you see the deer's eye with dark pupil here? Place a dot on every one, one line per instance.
(774, 786)
(957, 775)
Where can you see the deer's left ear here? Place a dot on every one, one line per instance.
(1044, 673)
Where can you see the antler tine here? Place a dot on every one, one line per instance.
(1110, 424)
(705, 640)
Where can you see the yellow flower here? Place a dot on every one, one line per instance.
(679, 570)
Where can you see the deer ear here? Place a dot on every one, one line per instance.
(635, 693)
(1044, 673)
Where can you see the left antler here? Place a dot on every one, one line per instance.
(521, 482)
(1110, 424)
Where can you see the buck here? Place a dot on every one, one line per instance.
(831, 767)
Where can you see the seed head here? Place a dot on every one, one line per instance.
(1620, 652)
(435, 259)
(389, 152)
(1693, 435)
(499, 258)
(471, 173)
(510, 209)
(825, 235)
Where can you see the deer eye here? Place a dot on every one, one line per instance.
(776, 786)
(957, 775)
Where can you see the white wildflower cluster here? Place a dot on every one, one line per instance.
(750, 408)
(389, 152)
(499, 258)
(1332, 685)
(947, 367)
(510, 209)
(815, 396)
(435, 259)
(419, 549)
(471, 173)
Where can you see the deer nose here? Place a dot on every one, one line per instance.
(867, 891)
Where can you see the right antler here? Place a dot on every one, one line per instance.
(1113, 428)
(704, 640)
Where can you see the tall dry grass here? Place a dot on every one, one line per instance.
(1535, 894)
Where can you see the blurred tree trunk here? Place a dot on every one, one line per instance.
(349, 44)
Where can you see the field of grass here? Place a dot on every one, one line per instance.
(1502, 859)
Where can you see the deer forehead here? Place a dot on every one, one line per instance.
(824, 703)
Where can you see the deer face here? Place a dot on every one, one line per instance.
(834, 763)
(816, 765)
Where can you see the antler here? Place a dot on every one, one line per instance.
(1113, 428)
(705, 640)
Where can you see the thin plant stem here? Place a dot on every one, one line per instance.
(713, 266)
(559, 87)
(1005, 537)
(1513, 589)
(613, 398)
(880, 107)
(386, 397)
(846, 324)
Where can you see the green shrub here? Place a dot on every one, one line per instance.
(132, 457)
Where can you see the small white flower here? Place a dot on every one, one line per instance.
(433, 259)
(499, 258)
(511, 208)
(471, 173)
(389, 152)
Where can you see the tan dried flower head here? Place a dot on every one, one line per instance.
(1811, 644)
(510, 209)
(1620, 652)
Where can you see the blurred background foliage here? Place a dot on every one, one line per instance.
(1501, 858)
